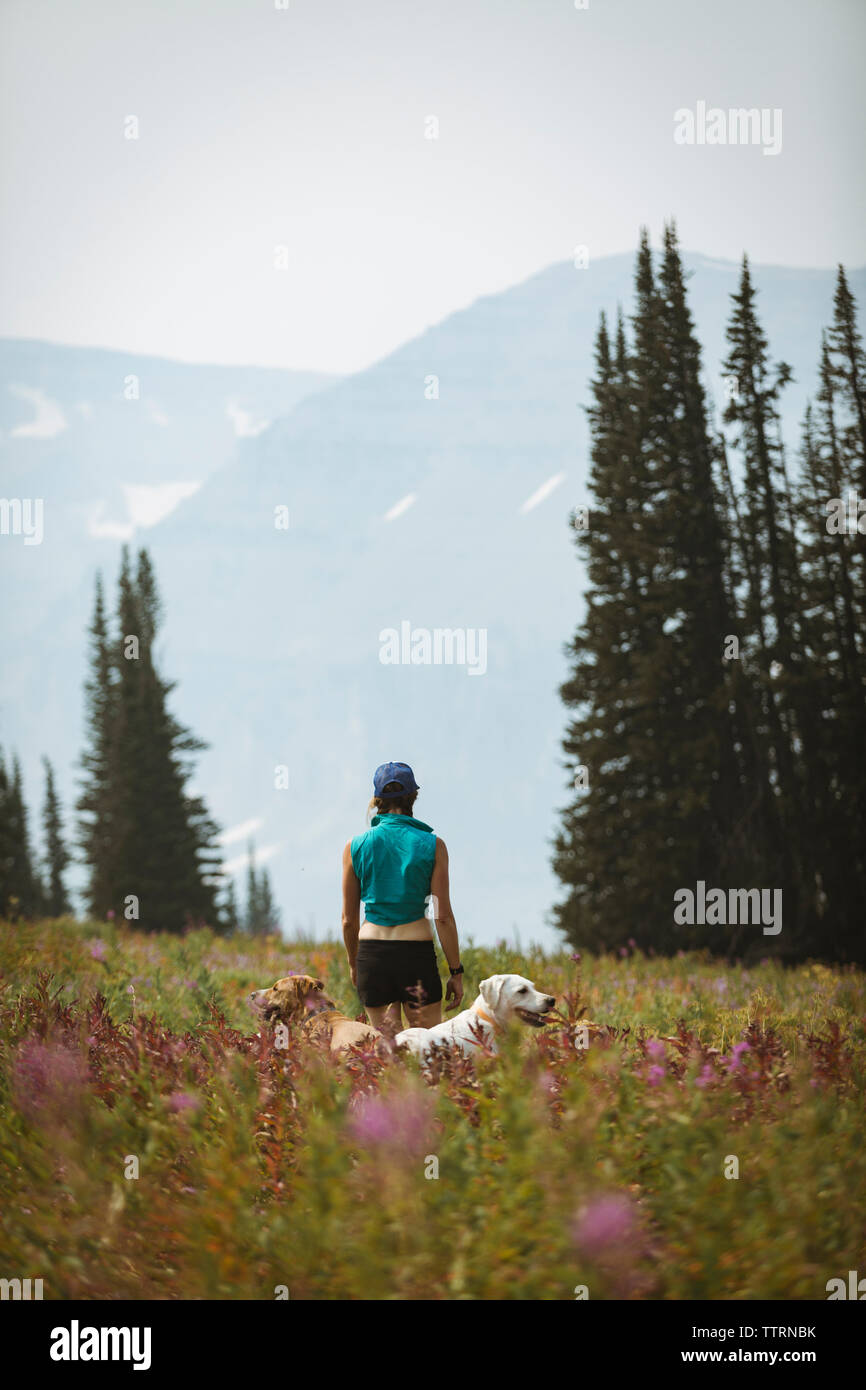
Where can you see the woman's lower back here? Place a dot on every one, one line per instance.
(419, 930)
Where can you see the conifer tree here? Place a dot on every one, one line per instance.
(230, 915)
(156, 845)
(7, 840)
(262, 914)
(21, 893)
(253, 911)
(654, 728)
(773, 649)
(743, 769)
(835, 641)
(98, 831)
(269, 912)
(56, 854)
(848, 362)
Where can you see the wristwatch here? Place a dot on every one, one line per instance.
(458, 970)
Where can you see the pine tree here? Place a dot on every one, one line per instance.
(21, 892)
(848, 362)
(252, 915)
(270, 914)
(156, 844)
(742, 772)
(56, 855)
(262, 914)
(835, 642)
(773, 649)
(655, 726)
(7, 840)
(230, 915)
(98, 828)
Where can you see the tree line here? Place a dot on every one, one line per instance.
(31, 885)
(717, 682)
(147, 843)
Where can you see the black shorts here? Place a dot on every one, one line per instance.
(398, 972)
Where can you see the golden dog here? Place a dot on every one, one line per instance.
(301, 1001)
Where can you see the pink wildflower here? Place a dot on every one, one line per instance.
(182, 1100)
(401, 1122)
(605, 1224)
(47, 1076)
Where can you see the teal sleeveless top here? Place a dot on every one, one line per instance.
(394, 864)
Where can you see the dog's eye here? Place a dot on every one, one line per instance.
(522, 989)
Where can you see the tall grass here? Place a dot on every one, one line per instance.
(549, 1169)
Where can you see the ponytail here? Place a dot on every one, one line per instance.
(379, 805)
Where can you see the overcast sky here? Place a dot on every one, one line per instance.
(304, 128)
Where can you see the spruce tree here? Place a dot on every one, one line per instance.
(654, 724)
(773, 649)
(833, 628)
(269, 912)
(7, 839)
(262, 914)
(21, 891)
(230, 916)
(56, 854)
(98, 829)
(156, 844)
(848, 362)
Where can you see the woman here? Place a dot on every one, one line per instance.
(395, 868)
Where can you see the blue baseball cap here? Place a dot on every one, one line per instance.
(401, 773)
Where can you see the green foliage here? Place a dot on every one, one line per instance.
(558, 1165)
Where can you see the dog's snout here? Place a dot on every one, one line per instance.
(550, 1001)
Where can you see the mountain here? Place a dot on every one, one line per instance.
(85, 422)
(106, 440)
(274, 635)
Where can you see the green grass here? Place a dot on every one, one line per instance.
(558, 1166)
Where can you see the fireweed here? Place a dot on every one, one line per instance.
(599, 1164)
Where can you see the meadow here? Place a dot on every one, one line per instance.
(707, 1143)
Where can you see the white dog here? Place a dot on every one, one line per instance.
(502, 999)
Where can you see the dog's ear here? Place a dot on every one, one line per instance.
(491, 991)
(293, 991)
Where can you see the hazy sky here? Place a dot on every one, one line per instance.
(304, 128)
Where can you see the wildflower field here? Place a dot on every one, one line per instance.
(706, 1143)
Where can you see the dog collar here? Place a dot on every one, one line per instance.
(486, 1017)
(319, 1013)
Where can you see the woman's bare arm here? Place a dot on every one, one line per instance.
(351, 911)
(446, 927)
